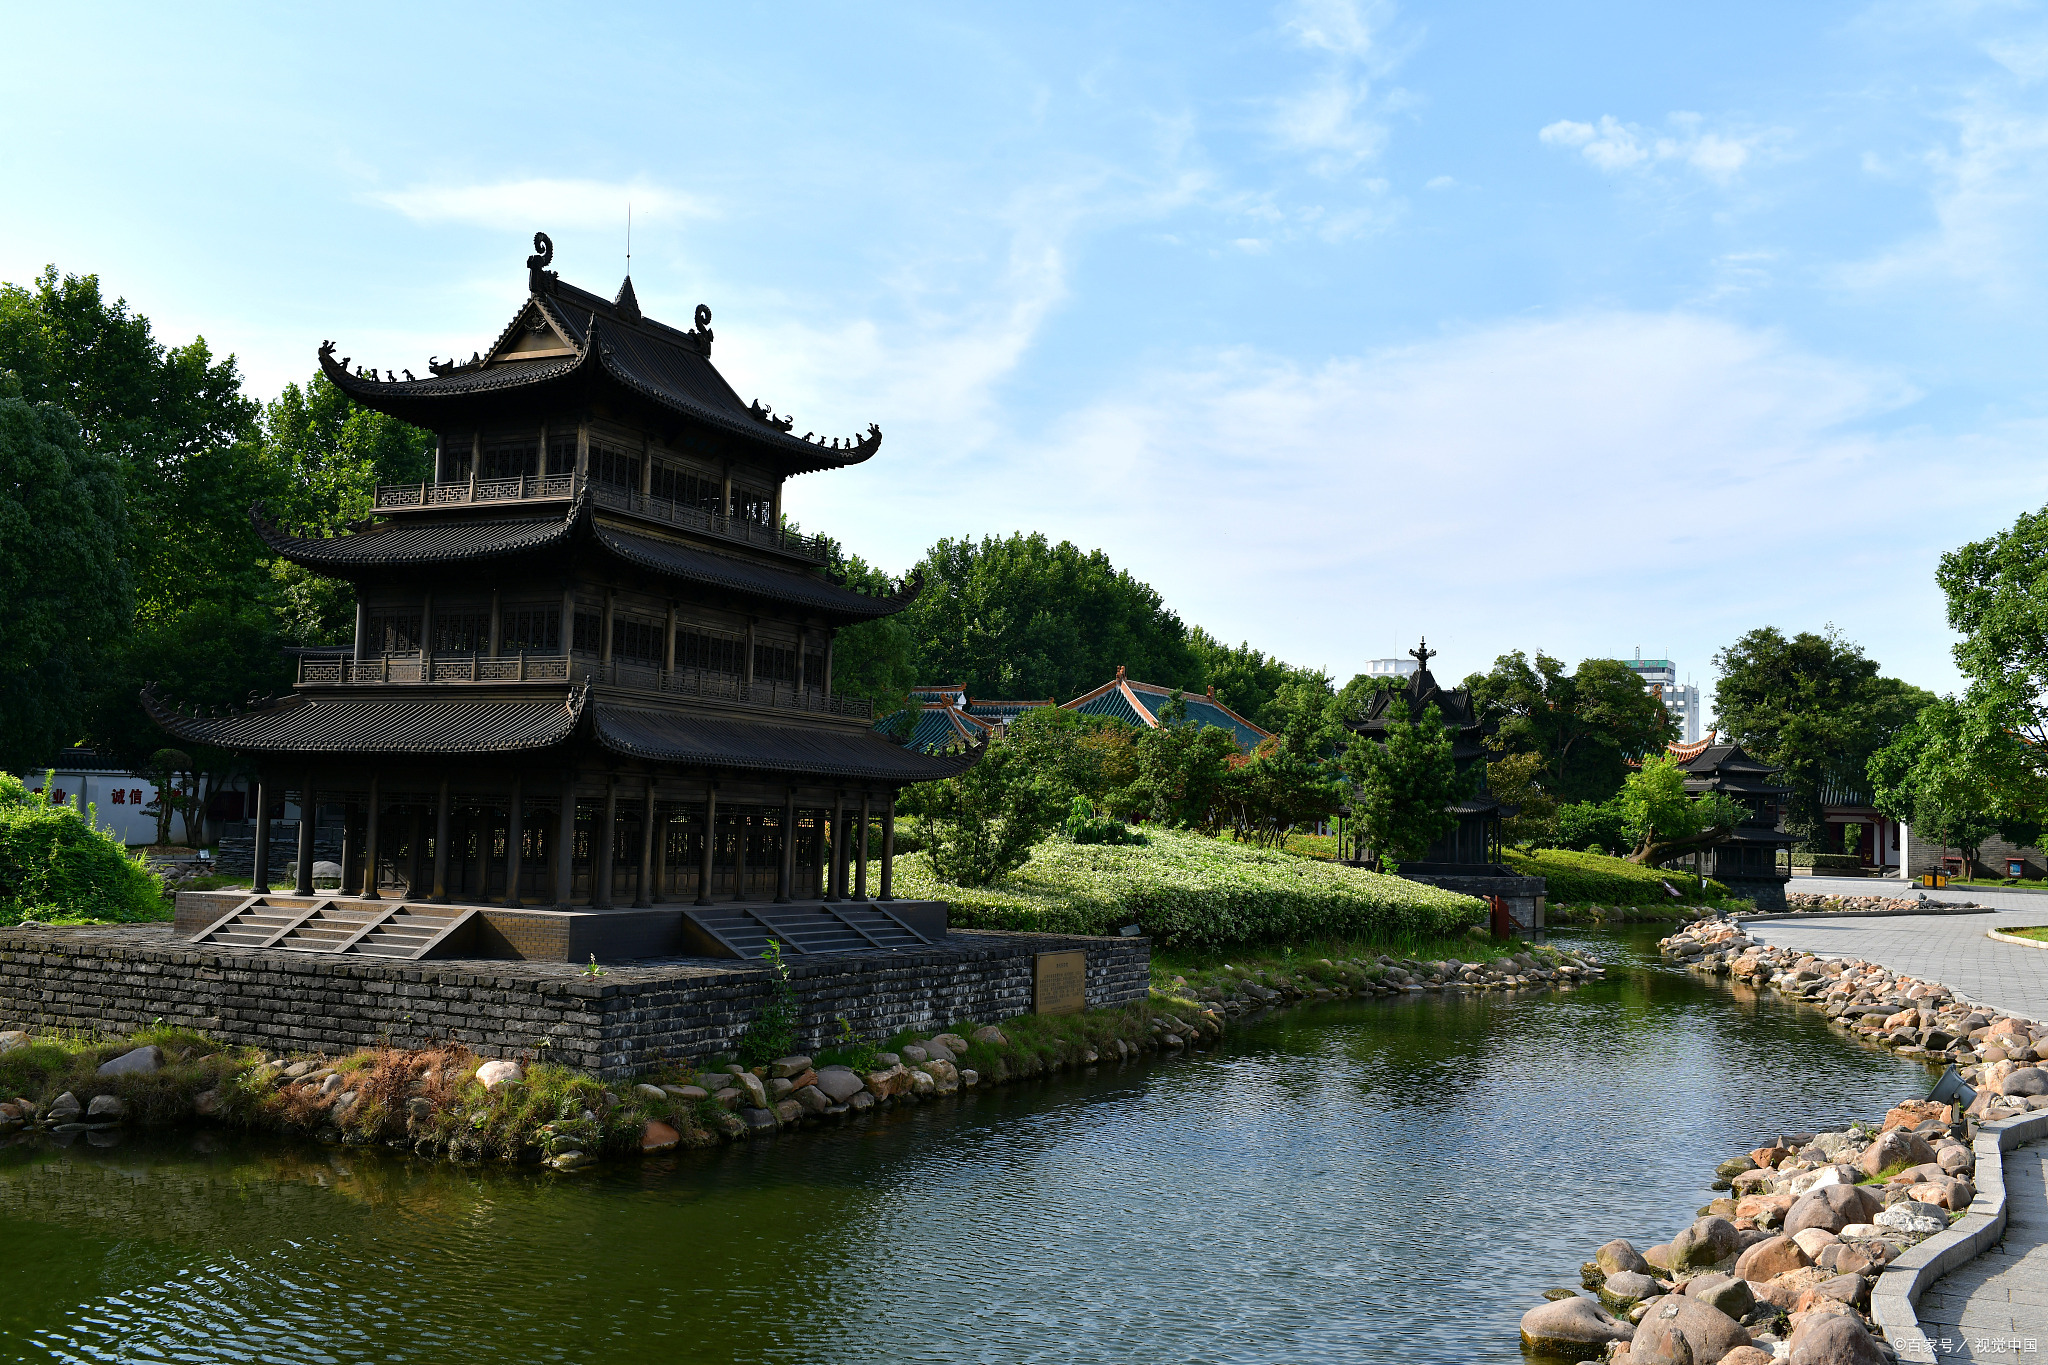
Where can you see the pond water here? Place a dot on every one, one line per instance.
(1363, 1180)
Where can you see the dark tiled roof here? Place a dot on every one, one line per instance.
(790, 586)
(716, 742)
(415, 541)
(413, 725)
(668, 367)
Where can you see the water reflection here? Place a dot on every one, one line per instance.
(1362, 1180)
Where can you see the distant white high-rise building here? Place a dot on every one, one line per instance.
(1390, 668)
(1681, 700)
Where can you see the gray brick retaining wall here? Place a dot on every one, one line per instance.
(112, 979)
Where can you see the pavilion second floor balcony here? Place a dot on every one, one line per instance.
(458, 670)
(532, 488)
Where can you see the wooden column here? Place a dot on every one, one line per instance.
(645, 896)
(860, 876)
(362, 628)
(835, 878)
(565, 846)
(370, 891)
(604, 630)
(739, 863)
(515, 831)
(350, 882)
(259, 880)
(497, 617)
(786, 874)
(308, 805)
(427, 637)
(710, 838)
(826, 687)
(568, 620)
(415, 850)
(669, 649)
(601, 851)
(440, 896)
(889, 847)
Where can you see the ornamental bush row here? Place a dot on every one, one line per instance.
(1189, 891)
(1572, 878)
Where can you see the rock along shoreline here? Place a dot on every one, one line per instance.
(1781, 1267)
(448, 1103)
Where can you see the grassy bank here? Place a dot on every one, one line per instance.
(1188, 891)
(1595, 879)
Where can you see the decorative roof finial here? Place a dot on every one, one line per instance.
(1423, 655)
(540, 279)
(627, 304)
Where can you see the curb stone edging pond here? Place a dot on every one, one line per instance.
(1895, 1299)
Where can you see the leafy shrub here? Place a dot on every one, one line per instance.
(1084, 826)
(1594, 827)
(1848, 861)
(1572, 877)
(1190, 891)
(55, 865)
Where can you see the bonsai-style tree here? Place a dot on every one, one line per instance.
(1404, 785)
(1663, 822)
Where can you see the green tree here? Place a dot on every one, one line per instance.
(1403, 787)
(1933, 777)
(1022, 617)
(873, 659)
(979, 827)
(1593, 827)
(55, 865)
(1664, 823)
(1517, 780)
(1997, 591)
(1586, 726)
(1181, 771)
(65, 594)
(1811, 704)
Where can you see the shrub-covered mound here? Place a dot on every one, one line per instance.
(55, 866)
(1188, 891)
(1574, 877)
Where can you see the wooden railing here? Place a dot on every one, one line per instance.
(379, 669)
(554, 487)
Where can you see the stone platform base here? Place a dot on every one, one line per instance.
(116, 978)
(1768, 893)
(1524, 895)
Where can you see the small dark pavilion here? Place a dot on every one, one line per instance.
(591, 672)
(1746, 862)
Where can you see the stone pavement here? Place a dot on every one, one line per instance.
(1951, 949)
(1996, 1307)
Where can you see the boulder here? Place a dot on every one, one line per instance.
(1659, 1256)
(1709, 1241)
(64, 1109)
(1619, 1255)
(1833, 1339)
(814, 1100)
(952, 1042)
(759, 1122)
(206, 1104)
(656, 1136)
(1808, 1181)
(143, 1061)
(839, 1083)
(1853, 1290)
(894, 1080)
(1734, 1166)
(1748, 1355)
(914, 1055)
(1832, 1207)
(1910, 1215)
(688, 1094)
(989, 1033)
(491, 1075)
(936, 1051)
(2028, 1080)
(105, 1109)
(1946, 1192)
(1956, 1159)
(1729, 1293)
(12, 1039)
(1894, 1149)
(1572, 1329)
(1625, 1289)
(788, 1067)
(755, 1090)
(1764, 1210)
(1813, 1240)
(1850, 1258)
(1770, 1257)
(789, 1111)
(922, 1083)
(1682, 1330)
(651, 1092)
(1913, 1113)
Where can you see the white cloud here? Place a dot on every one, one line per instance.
(1614, 146)
(1340, 27)
(1521, 484)
(1335, 116)
(544, 203)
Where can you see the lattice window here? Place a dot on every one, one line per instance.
(456, 448)
(814, 670)
(752, 505)
(537, 630)
(774, 663)
(641, 640)
(507, 460)
(689, 489)
(611, 465)
(561, 455)
(391, 633)
(714, 653)
(462, 632)
(589, 632)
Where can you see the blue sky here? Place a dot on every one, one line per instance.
(1577, 330)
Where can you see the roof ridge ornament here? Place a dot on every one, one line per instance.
(540, 279)
(627, 304)
(701, 337)
(1423, 655)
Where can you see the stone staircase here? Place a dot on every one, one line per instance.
(743, 928)
(403, 930)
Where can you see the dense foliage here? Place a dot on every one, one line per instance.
(1584, 727)
(54, 865)
(980, 826)
(1575, 878)
(1401, 789)
(1195, 892)
(1811, 704)
(1933, 777)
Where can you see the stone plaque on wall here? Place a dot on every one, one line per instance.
(1061, 983)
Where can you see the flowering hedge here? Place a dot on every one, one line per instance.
(1189, 891)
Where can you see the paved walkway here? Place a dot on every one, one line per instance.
(1951, 949)
(1996, 1307)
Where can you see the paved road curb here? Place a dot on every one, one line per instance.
(2015, 939)
(1938, 908)
(1899, 1287)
